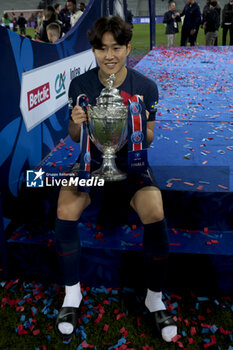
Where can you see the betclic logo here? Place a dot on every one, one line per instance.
(38, 96)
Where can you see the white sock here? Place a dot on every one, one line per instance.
(73, 298)
(154, 303)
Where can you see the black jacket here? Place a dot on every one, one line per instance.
(21, 22)
(170, 22)
(192, 15)
(212, 21)
(227, 14)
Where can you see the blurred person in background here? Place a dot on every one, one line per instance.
(49, 17)
(75, 14)
(14, 22)
(7, 20)
(227, 22)
(192, 21)
(82, 6)
(53, 32)
(211, 24)
(64, 17)
(22, 24)
(171, 19)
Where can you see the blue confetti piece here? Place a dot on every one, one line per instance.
(197, 306)
(175, 305)
(214, 329)
(184, 334)
(34, 310)
(206, 340)
(67, 341)
(202, 298)
(114, 291)
(85, 319)
(205, 331)
(22, 318)
(113, 299)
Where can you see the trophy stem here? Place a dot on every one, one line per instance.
(108, 170)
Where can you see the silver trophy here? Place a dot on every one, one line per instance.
(108, 129)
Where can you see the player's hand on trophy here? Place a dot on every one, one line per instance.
(78, 115)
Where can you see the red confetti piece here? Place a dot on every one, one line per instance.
(139, 321)
(136, 235)
(20, 330)
(201, 318)
(176, 296)
(99, 318)
(180, 344)
(174, 231)
(223, 331)
(99, 236)
(224, 187)
(143, 335)
(193, 331)
(191, 341)
(106, 327)
(120, 316)
(176, 338)
(86, 346)
(36, 331)
(204, 325)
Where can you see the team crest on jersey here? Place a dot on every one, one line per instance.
(70, 103)
(137, 137)
(135, 108)
(87, 158)
(153, 106)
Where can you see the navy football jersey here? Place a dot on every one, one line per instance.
(134, 84)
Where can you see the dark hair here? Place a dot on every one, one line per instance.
(120, 30)
(73, 1)
(213, 3)
(56, 6)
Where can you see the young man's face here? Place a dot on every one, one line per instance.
(71, 7)
(112, 56)
(172, 6)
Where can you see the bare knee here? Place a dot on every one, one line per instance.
(72, 210)
(148, 205)
(150, 217)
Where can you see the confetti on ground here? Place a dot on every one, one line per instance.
(191, 329)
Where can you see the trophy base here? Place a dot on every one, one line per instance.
(108, 170)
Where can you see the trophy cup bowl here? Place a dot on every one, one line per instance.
(108, 122)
